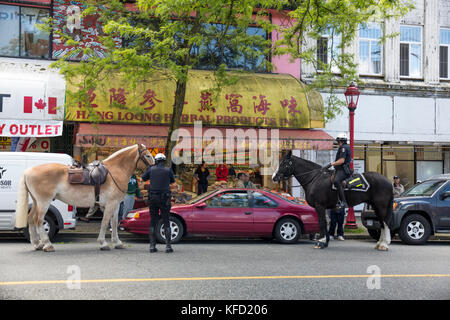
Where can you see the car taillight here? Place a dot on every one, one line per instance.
(69, 208)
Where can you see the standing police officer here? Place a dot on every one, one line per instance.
(159, 197)
(342, 166)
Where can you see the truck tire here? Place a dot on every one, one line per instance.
(414, 229)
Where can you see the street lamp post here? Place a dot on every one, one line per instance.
(352, 97)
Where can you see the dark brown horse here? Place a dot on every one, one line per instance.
(316, 181)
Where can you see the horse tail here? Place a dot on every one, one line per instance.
(389, 214)
(22, 203)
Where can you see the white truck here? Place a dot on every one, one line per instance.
(12, 165)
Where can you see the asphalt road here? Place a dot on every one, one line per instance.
(222, 269)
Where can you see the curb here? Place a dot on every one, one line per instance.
(142, 237)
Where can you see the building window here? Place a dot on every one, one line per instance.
(370, 49)
(211, 54)
(328, 50)
(20, 36)
(411, 51)
(443, 53)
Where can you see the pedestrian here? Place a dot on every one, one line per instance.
(202, 176)
(221, 172)
(159, 197)
(337, 216)
(231, 172)
(244, 181)
(132, 191)
(398, 187)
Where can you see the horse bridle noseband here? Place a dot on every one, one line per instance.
(143, 158)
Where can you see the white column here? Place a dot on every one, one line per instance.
(431, 42)
(391, 51)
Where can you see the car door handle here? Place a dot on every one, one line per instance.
(248, 213)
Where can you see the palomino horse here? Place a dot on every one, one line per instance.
(319, 194)
(47, 182)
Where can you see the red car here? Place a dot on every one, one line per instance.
(232, 212)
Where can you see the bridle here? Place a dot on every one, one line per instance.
(143, 158)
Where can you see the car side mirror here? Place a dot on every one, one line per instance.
(201, 205)
(445, 195)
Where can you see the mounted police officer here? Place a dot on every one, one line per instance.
(159, 197)
(342, 166)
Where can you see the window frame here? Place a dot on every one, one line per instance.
(50, 37)
(447, 45)
(409, 43)
(370, 40)
(329, 35)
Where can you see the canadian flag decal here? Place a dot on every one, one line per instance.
(40, 105)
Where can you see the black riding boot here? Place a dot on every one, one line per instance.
(168, 238)
(342, 201)
(152, 240)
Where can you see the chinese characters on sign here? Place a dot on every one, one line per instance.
(150, 98)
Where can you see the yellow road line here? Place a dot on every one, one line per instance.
(11, 283)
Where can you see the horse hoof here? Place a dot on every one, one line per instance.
(320, 245)
(119, 246)
(49, 249)
(39, 247)
(105, 248)
(382, 248)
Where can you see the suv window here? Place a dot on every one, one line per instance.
(262, 201)
(426, 188)
(228, 200)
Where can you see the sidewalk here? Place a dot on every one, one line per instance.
(91, 229)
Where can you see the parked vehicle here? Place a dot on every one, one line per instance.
(233, 212)
(419, 212)
(12, 165)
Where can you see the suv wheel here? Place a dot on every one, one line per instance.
(415, 229)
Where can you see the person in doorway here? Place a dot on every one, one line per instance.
(398, 187)
(337, 216)
(202, 176)
(159, 197)
(231, 172)
(221, 172)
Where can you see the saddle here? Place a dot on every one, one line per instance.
(356, 182)
(94, 174)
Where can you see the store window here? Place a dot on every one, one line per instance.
(370, 49)
(20, 36)
(373, 158)
(411, 51)
(443, 53)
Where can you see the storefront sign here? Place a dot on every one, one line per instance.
(257, 100)
(30, 128)
(31, 105)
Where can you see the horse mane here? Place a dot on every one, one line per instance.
(313, 164)
(119, 152)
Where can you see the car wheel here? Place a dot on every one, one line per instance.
(49, 227)
(287, 230)
(415, 229)
(177, 230)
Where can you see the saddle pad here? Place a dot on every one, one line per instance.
(356, 182)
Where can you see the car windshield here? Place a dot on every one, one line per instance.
(201, 197)
(426, 188)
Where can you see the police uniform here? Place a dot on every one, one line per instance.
(159, 197)
(343, 171)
